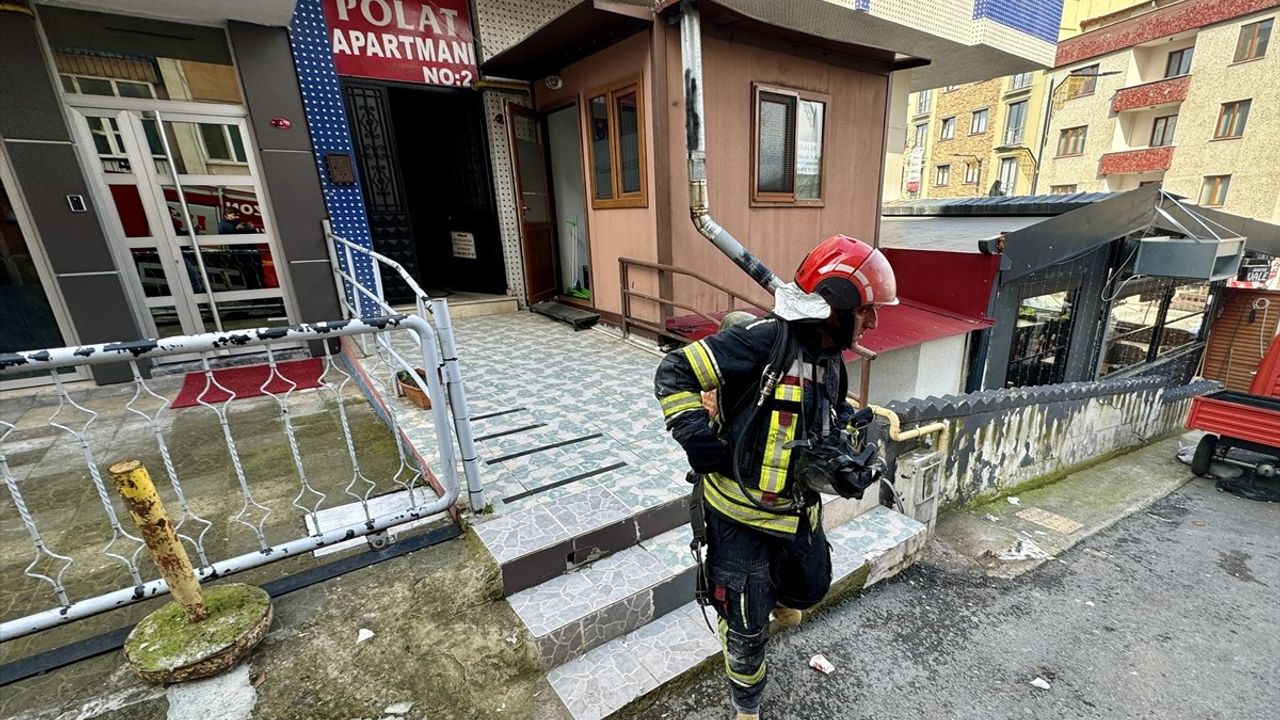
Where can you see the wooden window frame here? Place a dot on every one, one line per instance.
(937, 173)
(1067, 138)
(1167, 135)
(1214, 184)
(1234, 105)
(986, 121)
(976, 168)
(787, 199)
(610, 92)
(1182, 53)
(1253, 40)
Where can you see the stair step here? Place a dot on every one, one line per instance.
(865, 550)
(577, 317)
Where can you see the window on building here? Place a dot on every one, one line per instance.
(1015, 122)
(1041, 340)
(1150, 319)
(943, 176)
(978, 123)
(85, 85)
(1071, 141)
(788, 145)
(1085, 81)
(222, 143)
(1179, 62)
(950, 88)
(616, 123)
(1253, 40)
(971, 172)
(1231, 119)
(1008, 176)
(948, 129)
(1020, 81)
(1062, 189)
(924, 100)
(922, 134)
(1213, 193)
(1162, 130)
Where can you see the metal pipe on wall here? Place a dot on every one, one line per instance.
(696, 141)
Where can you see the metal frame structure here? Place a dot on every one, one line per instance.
(124, 549)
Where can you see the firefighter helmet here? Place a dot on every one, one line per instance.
(847, 273)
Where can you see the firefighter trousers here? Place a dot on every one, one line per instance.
(750, 573)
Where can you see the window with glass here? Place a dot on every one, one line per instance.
(1179, 62)
(951, 88)
(922, 134)
(971, 172)
(924, 100)
(1231, 119)
(1085, 81)
(978, 123)
(1253, 40)
(948, 129)
(1150, 319)
(788, 146)
(1162, 130)
(1213, 193)
(1041, 339)
(1062, 189)
(1015, 122)
(1071, 141)
(1020, 81)
(1008, 177)
(943, 175)
(615, 121)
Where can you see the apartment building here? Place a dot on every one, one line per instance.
(984, 137)
(1181, 93)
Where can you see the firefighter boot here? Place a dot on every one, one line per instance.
(786, 616)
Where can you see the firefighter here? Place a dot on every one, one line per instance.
(785, 435)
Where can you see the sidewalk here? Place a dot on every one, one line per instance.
(1008, 536)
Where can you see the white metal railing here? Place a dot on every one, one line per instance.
(261, 523)
(360, 300)
(1013, 136)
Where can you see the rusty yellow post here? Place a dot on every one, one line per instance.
(134, 484)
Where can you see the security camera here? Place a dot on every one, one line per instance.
(554, 82)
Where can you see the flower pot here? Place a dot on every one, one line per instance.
(409, 389)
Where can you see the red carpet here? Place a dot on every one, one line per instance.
(247, 382)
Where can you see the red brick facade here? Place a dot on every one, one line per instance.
(1166, 21)
(1136, 161)
(1151, 94)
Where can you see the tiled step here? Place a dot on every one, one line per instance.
(865, 550)
(578, 611)
(609, 512)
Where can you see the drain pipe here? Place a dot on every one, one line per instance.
(696, 141)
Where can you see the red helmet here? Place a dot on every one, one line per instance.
(847, 273)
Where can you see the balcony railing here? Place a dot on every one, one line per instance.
(1012, 136)
(1021, 81)
(1129, 162)
(1160, 92)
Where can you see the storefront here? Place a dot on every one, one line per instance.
(138, 181)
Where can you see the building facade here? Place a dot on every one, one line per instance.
(951, 153)
(1185, 96)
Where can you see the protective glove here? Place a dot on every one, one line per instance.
(708, 453)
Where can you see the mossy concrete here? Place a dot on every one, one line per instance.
(166, 644)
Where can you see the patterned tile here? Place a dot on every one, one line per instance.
(600, 682)
(512, 536)
(589, 509)
(672, 644)
(614, 621)
(580, 594)
(867, 537)
(672, 548)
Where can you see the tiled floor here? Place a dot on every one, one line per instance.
(576, 411)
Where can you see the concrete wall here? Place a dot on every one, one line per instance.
(935, 368)
(998, 440)
(966, 148)
(1092, 110)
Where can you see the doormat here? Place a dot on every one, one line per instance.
(247, 381)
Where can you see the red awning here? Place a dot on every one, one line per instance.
(913, 323)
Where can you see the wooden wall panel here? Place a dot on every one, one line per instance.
(1237, 342)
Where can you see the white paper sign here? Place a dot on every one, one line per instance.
(464, 245)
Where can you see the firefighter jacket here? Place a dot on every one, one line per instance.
(734, 361)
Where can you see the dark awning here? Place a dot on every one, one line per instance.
(580, 31)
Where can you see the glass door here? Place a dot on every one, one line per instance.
(183, 198)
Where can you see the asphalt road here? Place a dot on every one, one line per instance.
(1172, 613)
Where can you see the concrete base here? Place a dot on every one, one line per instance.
(166, 647)
(1011, 535)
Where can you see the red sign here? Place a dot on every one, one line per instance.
(413, 41)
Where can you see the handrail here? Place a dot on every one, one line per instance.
(696, 276)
